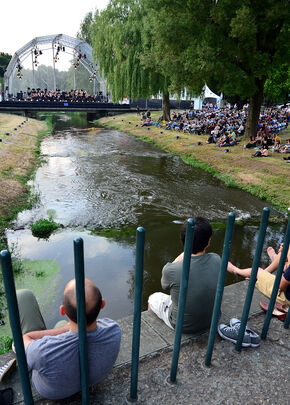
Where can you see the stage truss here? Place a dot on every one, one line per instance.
(72, 46)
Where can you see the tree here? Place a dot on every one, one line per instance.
(238, 44)
(85, 32)
(118, 48)
(277, 85)
(4, 61)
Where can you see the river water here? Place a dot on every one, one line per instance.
(94, 178)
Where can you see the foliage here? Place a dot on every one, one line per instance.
(85, 32)
(43, 228)
(5, 344)
(118, 48)
(4, 61)
(238, 44)
(278, 84)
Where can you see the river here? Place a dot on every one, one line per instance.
(93, 178)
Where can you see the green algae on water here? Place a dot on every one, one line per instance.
(42, 278)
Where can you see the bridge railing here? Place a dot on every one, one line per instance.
(140, 240)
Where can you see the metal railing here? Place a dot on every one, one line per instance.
(140, 241)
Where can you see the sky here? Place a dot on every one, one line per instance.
(23, 20)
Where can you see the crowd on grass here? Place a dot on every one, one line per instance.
(76, 96)
(225, 127)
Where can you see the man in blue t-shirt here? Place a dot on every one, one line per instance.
(53, 354)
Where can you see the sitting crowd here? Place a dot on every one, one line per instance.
(75, 96)
(225, 126)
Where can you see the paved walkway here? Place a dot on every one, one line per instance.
(253, 376)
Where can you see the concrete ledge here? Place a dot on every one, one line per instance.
(155, 336)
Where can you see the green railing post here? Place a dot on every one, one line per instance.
(220, 287)
(182, 297)
(15, 325)
(287, 320)
(138, 287)
(276, 283)
(81, 317)
(253, 277)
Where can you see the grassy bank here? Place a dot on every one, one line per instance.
(267, 178)
(19, 156)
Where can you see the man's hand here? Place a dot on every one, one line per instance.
(39, 334)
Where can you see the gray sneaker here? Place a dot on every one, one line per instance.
(7, 369)
(231, 333)
(255, 338)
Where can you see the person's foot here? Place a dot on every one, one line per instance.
(232, 268)
(271, 253)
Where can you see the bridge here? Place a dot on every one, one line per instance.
(88, 107)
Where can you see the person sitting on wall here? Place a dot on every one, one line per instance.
(53, 354)
(265, 278)
(203, 277)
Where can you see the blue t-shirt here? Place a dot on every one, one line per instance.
(287, 277)
(54, 360)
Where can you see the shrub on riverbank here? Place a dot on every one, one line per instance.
(43, 228)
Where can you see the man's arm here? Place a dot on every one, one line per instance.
(283, 283)
(39, 334)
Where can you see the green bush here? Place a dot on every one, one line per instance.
(43, 228)
(5, 344)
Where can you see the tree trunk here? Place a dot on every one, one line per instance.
(255, 107)
(166, 107)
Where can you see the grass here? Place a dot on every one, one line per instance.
(19, 157)
(266, 178)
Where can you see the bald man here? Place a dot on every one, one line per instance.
(53, 354)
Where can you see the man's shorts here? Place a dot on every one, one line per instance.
(160, 303)
(265, 283)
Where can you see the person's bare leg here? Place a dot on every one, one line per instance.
(241, 272)
(274, 265)
(271, 253)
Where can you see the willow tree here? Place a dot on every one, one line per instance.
(118, 47)
(236, 43)
(85, 31)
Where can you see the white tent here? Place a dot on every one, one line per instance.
(206, 93)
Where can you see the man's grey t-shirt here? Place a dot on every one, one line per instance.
(54, 360)
(203, 277)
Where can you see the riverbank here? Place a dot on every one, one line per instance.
(266, 178)
(19, 155)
